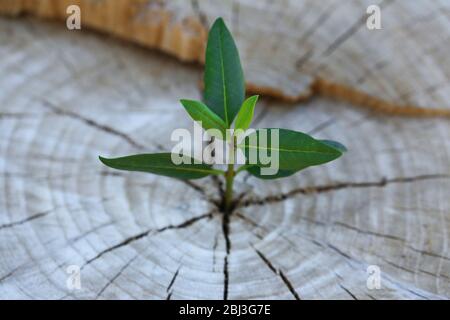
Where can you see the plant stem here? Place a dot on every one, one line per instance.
(229, 178)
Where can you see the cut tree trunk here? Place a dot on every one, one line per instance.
(67, 97)
(294, 49)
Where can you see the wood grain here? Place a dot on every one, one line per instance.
(67, 97)
(294, 50)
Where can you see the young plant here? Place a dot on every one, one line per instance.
(224, 103)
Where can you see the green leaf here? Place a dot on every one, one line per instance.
(161, 164)
(223, 78)
(200, 112)
(296, 150)
(334, 144)
(245, 115)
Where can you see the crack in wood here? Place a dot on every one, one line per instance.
(144, 234)
(352, 30)
(428, 253)
(214, 248)
(9, 274)
(118, 245)
(28, 219)
(317, 23)
(225, 277)
(195, 186)
(367, 232)
(416, 293)
(322, 126)
(339, 186)
(399, 267)
(171, 283)
(279, 273)
(270, 265)
(238, 200)
(438, 275)
(92, 123)
(289, 285)
(187, 223)
(335, 249)
(115, 277)
(226, 235)
(394, 282)
(304, 58)
(252, 223)
(348, 292)
(270, 228)
(340, 252)
(219, 184)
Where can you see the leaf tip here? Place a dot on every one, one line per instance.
(219, 21)
(340, 147)
(103, 160)
(336, 146)
(220, 24)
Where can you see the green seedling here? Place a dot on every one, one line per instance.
(225, 104)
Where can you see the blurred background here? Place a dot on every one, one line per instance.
(85, 78)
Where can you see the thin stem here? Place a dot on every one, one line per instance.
(229, 178)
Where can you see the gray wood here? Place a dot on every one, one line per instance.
(294, 50)
(67, 97)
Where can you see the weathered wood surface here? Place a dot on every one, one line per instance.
(320, 48)
(67, 97)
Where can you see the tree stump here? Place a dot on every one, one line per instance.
(67, 97)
